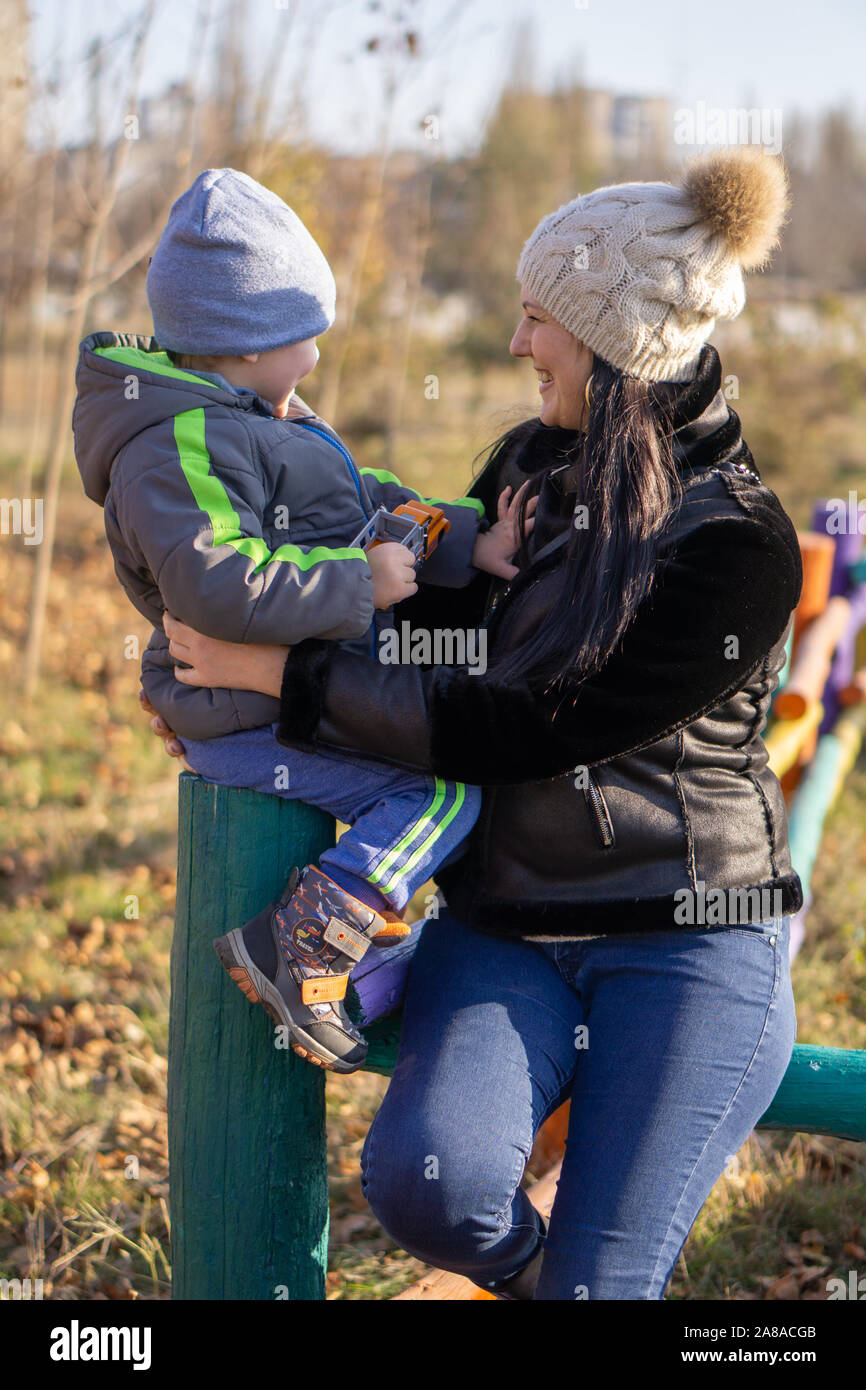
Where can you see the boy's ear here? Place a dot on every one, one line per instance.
(249, 357)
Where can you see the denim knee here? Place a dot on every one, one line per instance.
(439, 1200)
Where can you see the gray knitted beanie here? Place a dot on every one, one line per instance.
(236, 271)
(639, 272)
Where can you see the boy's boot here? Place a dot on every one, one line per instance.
(294, 958)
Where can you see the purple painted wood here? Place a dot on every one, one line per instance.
(798, 926)
(842, 669)
(380, 978)
(849, 544)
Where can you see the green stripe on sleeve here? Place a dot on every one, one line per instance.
(418, 827)
(426, 826)
(383, 476)
(459, 798)
(212, 498)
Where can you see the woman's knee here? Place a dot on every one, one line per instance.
(438, 1195)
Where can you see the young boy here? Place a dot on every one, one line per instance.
(231, 506)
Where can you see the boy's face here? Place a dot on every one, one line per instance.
(274, 375)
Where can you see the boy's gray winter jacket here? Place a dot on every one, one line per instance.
(235, 522)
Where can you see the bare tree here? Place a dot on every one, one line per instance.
(107, 166)
(400, 47)
(397, 46)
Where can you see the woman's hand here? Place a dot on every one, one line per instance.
(173, 748)
(494, 548)
(224, 665)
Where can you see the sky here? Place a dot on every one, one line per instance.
(775, 54)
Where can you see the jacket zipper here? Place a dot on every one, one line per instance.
(346, 455)
(599, 814)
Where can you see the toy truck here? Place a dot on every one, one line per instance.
(418, 525)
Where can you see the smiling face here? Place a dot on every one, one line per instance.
(563, 364)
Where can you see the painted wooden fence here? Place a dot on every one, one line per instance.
(818, 713)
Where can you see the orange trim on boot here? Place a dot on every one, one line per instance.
(394, 926)
(323, 988)
(392, 922)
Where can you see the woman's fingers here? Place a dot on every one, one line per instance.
(516, 500)
(180, 637)
(188, 675)
(157, 723)
(170, 742)
(160, 728)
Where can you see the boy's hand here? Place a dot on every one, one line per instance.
(494, 548)
(393, 567)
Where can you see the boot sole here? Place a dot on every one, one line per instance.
(258, 989)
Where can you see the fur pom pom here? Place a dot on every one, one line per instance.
(743, 194)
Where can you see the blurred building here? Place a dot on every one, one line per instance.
(627, 128)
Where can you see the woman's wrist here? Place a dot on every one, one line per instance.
(267, 669)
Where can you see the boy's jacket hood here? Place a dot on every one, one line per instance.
(104, 419)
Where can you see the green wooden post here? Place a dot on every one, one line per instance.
(246, 1120)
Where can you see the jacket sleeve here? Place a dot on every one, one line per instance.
(731, 578)
(194, 521)
(450, 565)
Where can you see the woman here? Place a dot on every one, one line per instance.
(618, 928)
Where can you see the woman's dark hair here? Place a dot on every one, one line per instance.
(630, 488)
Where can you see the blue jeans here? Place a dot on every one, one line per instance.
(671, 1046)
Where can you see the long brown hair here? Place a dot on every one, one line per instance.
(630, 486)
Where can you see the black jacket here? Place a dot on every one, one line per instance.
(679, 794)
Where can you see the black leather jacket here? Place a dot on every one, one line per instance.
(676, 819)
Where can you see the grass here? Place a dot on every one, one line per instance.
(87, 882)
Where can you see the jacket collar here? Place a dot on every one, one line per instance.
(687, 401)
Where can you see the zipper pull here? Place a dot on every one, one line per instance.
(600, 815)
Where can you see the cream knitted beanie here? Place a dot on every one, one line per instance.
(639, 272)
